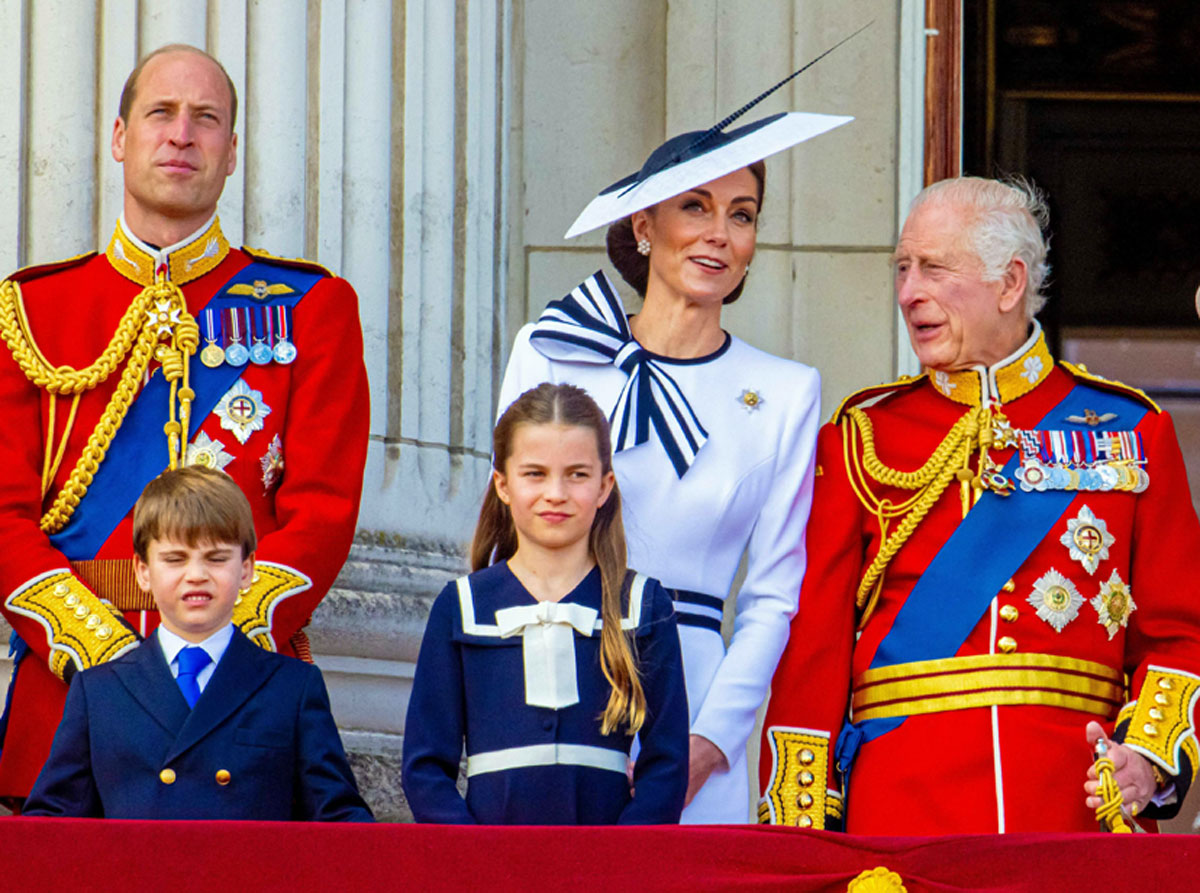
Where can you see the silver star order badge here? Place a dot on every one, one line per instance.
(207, 452)
(242, 410)
(1055, 599)
(750, 400)
(1114, 604)
(1087, 539)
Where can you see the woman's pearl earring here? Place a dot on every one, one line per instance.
(643, 247)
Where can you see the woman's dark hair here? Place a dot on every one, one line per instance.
(635, 268)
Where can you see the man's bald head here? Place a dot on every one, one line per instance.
(129, 91)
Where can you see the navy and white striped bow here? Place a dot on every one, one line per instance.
(589, 326)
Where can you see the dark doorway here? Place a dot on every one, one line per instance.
(1098, 101)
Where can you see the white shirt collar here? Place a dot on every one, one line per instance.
(215, 644)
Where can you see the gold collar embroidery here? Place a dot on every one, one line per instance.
(1008, 380)
(184, 261)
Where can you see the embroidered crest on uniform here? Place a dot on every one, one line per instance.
(119, 253)
(242, 410)
(1055, 599)
(272, 464)
(163, 316)
(750, 400)
(211, 248)
(1087, 538)
(207, 452)
(1033, 368)
(942, 382)
(1114, 604)
(260, 289)
(1092, 418)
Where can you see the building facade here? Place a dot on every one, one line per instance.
(433, 152)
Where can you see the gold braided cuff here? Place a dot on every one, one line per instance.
(255, 607)
(797, 794)
(1161, 724)
(80, 629)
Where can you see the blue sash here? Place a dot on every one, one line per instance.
(992, 542)
(137, 454)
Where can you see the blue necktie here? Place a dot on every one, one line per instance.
(191, 661)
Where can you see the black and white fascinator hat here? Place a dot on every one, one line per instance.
(700, 156)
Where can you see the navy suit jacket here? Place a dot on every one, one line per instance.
(260, 744)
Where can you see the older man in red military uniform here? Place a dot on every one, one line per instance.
(1001, 569)
(169, 348)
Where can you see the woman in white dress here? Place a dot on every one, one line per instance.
(714, 440)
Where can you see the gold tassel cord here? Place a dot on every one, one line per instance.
(952, 456)
(158, 312)
(1108, 813)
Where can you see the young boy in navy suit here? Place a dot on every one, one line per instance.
(197, 722)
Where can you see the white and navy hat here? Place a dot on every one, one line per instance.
(691, 159)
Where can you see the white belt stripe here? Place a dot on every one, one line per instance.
(546, 755)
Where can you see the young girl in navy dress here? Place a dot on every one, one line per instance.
(551, 656)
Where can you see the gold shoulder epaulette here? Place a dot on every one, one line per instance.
(1081, 372)
(298, 263)
(904, 381)
(25, 274)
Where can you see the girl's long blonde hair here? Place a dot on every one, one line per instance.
(496, 538)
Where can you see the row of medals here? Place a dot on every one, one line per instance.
(237, 354)
(1033, 475)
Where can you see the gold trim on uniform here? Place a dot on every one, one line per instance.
(797, 794)
(1161, 722)
(113, 580)
(1013, 380)
(199, 255)
(987, 680)
(1081, 371)
(272, 584)
(64, 607)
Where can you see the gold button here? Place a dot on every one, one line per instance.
(62, 589)
(223, 777)
(94, 621)
(1010, 586)
(1155, 713)
(103, 632)
(167, 776)
(805, 778)
(1007, 644)
(1009, 613)
(1160, 698)
(807, 756)
(1150, 729)
(81, 611)
(255, 578)
(71, 600)
(806, 800)
(805, 821)
(1165, 684)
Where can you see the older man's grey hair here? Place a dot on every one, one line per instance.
(1008, 219)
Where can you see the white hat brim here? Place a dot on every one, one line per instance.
(791, 129)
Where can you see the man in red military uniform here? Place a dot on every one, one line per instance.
(169, 348)
(1001, 569)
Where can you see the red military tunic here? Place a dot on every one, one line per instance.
(994, 736)
(299, 461)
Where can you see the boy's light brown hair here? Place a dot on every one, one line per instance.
(193, 505)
